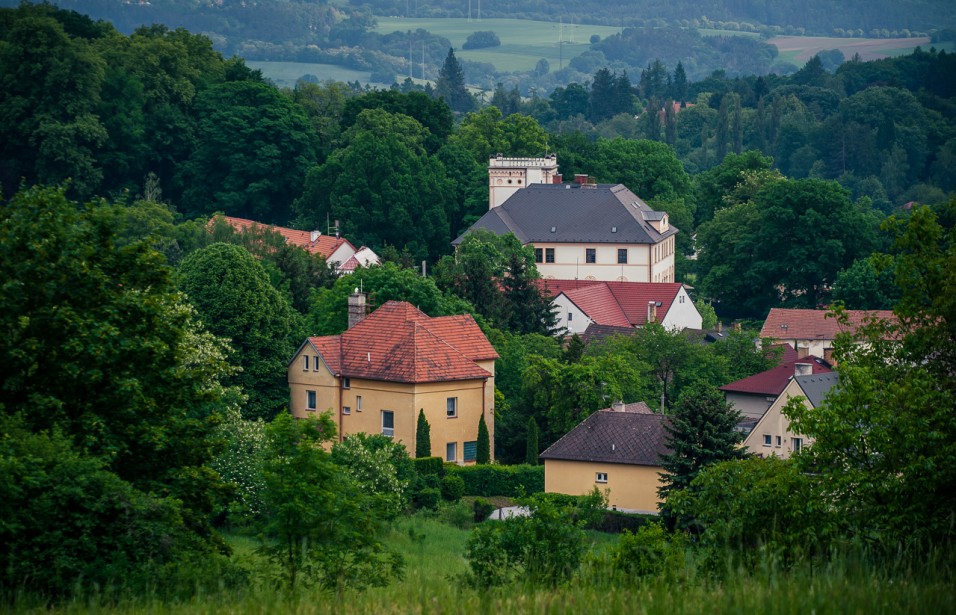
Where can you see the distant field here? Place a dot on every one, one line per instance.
(523, 42)
(285, 74)
(798, 49)
(710, 32)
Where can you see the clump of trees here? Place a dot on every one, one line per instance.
(481, 40)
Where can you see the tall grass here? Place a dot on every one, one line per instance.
(853, 582)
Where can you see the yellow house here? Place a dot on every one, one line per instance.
(771, 435)
(616, 450)
(377, 375)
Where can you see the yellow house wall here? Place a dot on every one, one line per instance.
(433, 397)
(775, 424)
(570, 262)
(319, 380)
(631, 486)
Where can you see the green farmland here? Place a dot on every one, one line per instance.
(523, 42)
(285, 74)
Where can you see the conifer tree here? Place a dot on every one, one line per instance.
(483, 454)
(451, 85)
(423, 438)
(531, 452)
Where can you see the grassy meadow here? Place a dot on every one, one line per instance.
(433, 545)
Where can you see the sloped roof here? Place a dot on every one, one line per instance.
(622, 304)
(817, 386)
(792, 324)
(774, 380)
(326, 245)
(592, 213)
(595, 332)
(399, 343)
(614, 437)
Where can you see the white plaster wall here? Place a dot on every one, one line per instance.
(563, 308)
(683, 313)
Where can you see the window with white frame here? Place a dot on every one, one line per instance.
(600, 477)
(549, 255)
(346, 410)
(779, 441)
(310, 400)
(766, 439)
(305, 364)
(388, 423)
(346, 383)
(315, 362)
(451, 407)
(451, 451)
(358, 403)
(796, 444)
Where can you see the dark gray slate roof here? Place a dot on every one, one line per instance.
(601, 213)
(817, 386)
(614, 437)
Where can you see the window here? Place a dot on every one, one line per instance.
(590, 255)
(766, 440)
(538, 255)
(796, 444)
(601, 477)
(346, 410)
(451, 451)
(779, 441)
(315, 362)
(305, 365)
(549, 255)
(451, 407)
(681, 299)
(570, 316)
(622, 256)
(346, 383)
(358, 403)
(388, 423)
(470, 451)
(310, 400)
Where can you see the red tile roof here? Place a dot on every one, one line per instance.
(399, 343)
(326, 245)
(618, 304)
(787, 324)
(774, 380)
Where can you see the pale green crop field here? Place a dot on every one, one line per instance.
(523, 42)
(285, 74)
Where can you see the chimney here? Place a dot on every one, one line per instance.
(651, 311)
(315, 235)
(802, 369)
(580, 178)
(618, 406)
(356, 308)
(556, 178)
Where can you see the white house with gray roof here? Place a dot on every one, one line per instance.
(584, 231)
(772, 435)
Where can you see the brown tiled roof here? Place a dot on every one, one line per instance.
(619, 304)
(399, 343)
(595, 333)
(326, 245)
(600, 305)
(789, 324)
(614, 437)
(774, 380)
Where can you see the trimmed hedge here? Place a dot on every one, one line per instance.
(429, 465)
(490, 480)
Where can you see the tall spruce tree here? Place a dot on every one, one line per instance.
(451, 85)
(531, 450)
(423, 438)
(483, 454)
(702, 430)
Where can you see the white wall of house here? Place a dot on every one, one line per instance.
(683, 314)
(751, 405)
(569, 317)
(343, 253)
(570, 262)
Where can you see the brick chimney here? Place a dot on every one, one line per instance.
(357, 308)
(651, 311)
(802, 369)
(617, 406)
(580, 178)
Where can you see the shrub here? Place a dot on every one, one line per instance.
(452, 488)
(428, 498)
(648, 552)
(483, 509)
(491, 480)
(429, 465)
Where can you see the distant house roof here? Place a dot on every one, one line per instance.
(574, 213)
(774, 380)
(363, 257)
(631, 437)
(595, 333)
(400, 343)
(790, 324)
(310, 241)
(817, 386)
(615, 304)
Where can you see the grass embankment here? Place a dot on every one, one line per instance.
(433, 548)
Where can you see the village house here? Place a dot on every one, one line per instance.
(771, 435)
(337, 251)
(753, 396)
(812, 332)
(581, 304)
(376, 376)
(616, 450)
(580, 230)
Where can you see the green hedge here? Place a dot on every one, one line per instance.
(429, 465)
(490, 480)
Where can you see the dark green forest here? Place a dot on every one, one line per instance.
(146, 340)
